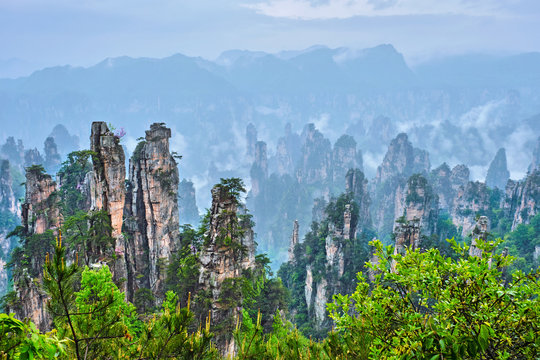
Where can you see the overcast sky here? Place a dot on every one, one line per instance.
(83, 32)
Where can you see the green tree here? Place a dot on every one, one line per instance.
(89, 233)
(95, 319)
(22, 340)
(167, 336)
(72, 176)
(434, 307)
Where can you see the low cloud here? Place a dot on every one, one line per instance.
(342, 9)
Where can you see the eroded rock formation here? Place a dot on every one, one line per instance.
(106, 189)
(287, 152)
(10, 212)
(251, 139)
(420, 205)
(323, 280)
(294, 241)
(479, 232)
(40, 212)
(52, 157)
(357, 185)
(470, 200)
(522, 201)
(446, 183)
(400, 162)
(228, 251)
(32, 157)
(151, 211)
(498, 173)
(316, 163)
(259, 169)
(344, 157)
(187, 203)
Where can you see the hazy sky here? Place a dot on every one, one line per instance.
(83, 32)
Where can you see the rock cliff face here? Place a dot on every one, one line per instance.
(402, 159)
(259, 169)
(284, 160)
(52, 157)
(400, 162)
(32, 157)
(106, 188)
(13, 150)
(294, 241)
(471, 199)
(344, 157)
(357, 185)
(151, 211)
(251, 139)
(498, 173)
(40, 212)
(10, 212)
(187, 203)
(480, 232)
(446, 183)
(8, 202)
(420, 205)
(228, 251)
(325, 270)
(407, 235)
(145, 208)
(287, 152)
(522, 201)
(316, 163)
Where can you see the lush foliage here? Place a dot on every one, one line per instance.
(98, 323)
(72, 176)
(435, 307)
(522, 243)
(89, 233)
(313, 253)
(22, 340)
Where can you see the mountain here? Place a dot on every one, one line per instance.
(460, 109)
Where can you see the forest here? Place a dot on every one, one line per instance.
(101, 266)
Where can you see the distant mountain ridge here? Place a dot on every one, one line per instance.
(465, 103)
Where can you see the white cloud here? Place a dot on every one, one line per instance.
(178, 143)
(342, 9)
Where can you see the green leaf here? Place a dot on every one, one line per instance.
(443, 346)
